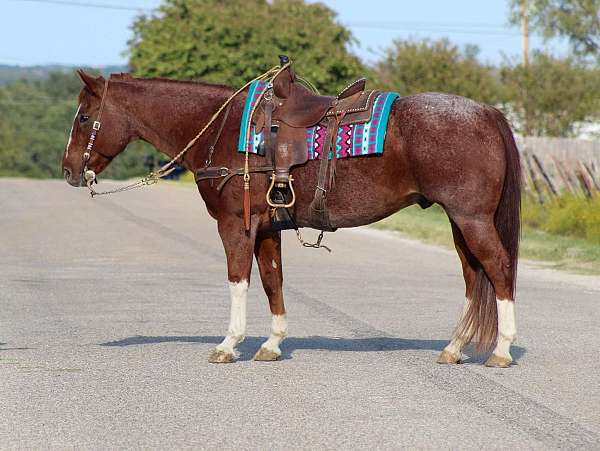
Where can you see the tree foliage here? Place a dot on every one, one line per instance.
(550, 96)
(232, 42)
(411, 66)
(35, 120)
(576, 20)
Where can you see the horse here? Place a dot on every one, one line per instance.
(439, 148)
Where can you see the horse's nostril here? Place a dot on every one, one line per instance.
(67, 174)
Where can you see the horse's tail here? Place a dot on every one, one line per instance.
(508, 214)
(481, 319)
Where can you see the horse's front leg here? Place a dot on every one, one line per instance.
(268, 255)
(239, 246)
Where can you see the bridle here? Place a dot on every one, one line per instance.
(87, 174)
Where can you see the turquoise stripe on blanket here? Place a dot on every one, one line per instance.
(351, 141)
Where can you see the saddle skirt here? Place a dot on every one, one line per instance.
(358, 137)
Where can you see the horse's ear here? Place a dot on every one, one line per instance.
(282, 84)
(94, 84)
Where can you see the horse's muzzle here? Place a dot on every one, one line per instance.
(69, 178)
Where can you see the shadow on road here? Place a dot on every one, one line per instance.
(319, 343)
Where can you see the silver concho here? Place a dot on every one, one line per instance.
(89, 175)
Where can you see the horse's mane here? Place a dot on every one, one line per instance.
(125, 76)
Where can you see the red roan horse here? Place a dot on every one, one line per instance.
(439, 148)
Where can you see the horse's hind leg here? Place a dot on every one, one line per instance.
(238, 250)
(452, 353)
(492, 321)
(268, 255)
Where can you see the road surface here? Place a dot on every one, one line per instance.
(110, 307)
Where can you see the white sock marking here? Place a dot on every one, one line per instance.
(457, 343)
(237, 320)
(279, 327)
(507, 328)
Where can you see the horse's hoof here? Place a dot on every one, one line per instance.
(218, 356)
(266, 355)
(497, 361)
(447, 357)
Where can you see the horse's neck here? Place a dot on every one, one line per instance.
(169, 114)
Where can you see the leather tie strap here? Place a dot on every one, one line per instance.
(269, 151)
(211, 148)
(332, 171)
(226, 173)
(318, 207)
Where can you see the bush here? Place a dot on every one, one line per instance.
(567, 215)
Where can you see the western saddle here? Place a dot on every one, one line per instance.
(287, 108)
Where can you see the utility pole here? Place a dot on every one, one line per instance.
(525, 49)
(525, 32)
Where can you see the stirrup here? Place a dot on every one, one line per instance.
(270, 190)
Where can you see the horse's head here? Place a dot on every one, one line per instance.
(99, 133)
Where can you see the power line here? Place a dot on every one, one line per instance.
(434, 28)
(89, 5)
(401, 24)
(487, 29)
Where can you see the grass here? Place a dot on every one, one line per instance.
(556, 251)
(566, 215)
(187, 177)
(563, 234)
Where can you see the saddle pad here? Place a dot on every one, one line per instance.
(352, 140)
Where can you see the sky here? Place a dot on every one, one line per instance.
(51, 32)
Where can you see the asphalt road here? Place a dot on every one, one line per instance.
(109, 308)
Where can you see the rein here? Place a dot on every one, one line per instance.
(154, 176)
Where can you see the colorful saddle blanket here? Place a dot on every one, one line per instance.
(352, 140)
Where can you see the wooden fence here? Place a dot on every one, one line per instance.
(563, 149)
(552, 166)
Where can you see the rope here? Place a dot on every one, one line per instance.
(166, 169)
(308, 84)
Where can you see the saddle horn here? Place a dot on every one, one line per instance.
(282, 84)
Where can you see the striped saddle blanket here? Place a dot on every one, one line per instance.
(352, 140)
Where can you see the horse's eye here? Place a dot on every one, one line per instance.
(83, 118)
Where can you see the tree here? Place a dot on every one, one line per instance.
(35, 118)
(410, 67)
(550, 96)
(232, 42)
(576, 20)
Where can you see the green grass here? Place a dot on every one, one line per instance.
(556, 251)
(187, 177)
(563, 234)
(566, 215)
